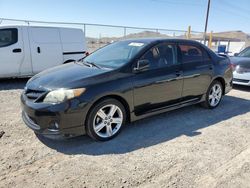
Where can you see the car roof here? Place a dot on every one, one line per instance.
(155, 40)
(152, 41)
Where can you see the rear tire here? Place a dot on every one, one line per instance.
(105, 120)
(213, 95)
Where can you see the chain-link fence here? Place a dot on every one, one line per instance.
(98, 35)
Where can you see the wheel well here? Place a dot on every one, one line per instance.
(222, 81)
(118, 98)
(68, 61)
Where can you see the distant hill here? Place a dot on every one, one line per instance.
(147, 34)
(238, 35)
(234, 34)
(144, 34)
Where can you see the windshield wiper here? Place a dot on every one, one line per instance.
(80, 59)
(89, 64)
(94, 65)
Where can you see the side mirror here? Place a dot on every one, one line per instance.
(142, 65)
(236, 54)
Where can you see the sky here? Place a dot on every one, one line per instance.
(225, 15)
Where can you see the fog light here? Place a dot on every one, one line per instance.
(53, 126)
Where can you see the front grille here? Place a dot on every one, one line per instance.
(240, 80)
(35, 95)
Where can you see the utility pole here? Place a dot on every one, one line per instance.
(205, 32)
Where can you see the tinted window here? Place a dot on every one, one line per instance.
(190, 54)
(161, 55)
(206, 56)
(8, 37)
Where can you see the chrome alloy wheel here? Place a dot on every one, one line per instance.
(108, 120)
(215, 95)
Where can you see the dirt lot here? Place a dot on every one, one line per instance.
(190, 147)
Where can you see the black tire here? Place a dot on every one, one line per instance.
(207, 102)
(92, 115)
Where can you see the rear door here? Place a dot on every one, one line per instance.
(161, 85)
(197, 71)
(11, 51)
(73, 44)
(46, 48)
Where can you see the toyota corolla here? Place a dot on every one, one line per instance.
(123, 82)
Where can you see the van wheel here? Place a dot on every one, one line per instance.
(213, 95)
(68, 61)
(105, 120)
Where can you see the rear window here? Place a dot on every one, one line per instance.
(8, 37)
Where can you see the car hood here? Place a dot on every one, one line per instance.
(241, 61)
(71, 75)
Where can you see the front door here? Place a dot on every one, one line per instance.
(161, 85)
(11, 52)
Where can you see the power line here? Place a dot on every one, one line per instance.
(235, 6)
(179, 2)
(231, 12)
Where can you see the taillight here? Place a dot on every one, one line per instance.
(232, 66)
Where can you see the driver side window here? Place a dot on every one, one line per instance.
(160, 56)
(8, 37)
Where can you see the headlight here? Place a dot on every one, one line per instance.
(62, 95)
(242, 69)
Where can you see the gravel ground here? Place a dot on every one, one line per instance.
(189, 147)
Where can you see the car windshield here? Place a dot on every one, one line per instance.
(245, 53)
(116, 54)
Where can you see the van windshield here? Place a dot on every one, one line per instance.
(116, 54)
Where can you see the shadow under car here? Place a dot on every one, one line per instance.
(154, 130)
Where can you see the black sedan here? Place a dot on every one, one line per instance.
(123, 82)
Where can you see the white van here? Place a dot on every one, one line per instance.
(27, 50)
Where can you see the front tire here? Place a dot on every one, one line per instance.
(213, 95)
(105, 120)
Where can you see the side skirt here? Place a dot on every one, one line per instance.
(168, 108)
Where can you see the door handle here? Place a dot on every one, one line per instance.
(17, 50)
(210, 67)
(38, 50)
(178, 73)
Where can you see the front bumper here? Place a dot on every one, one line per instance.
(42, 118)
(241, 79)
